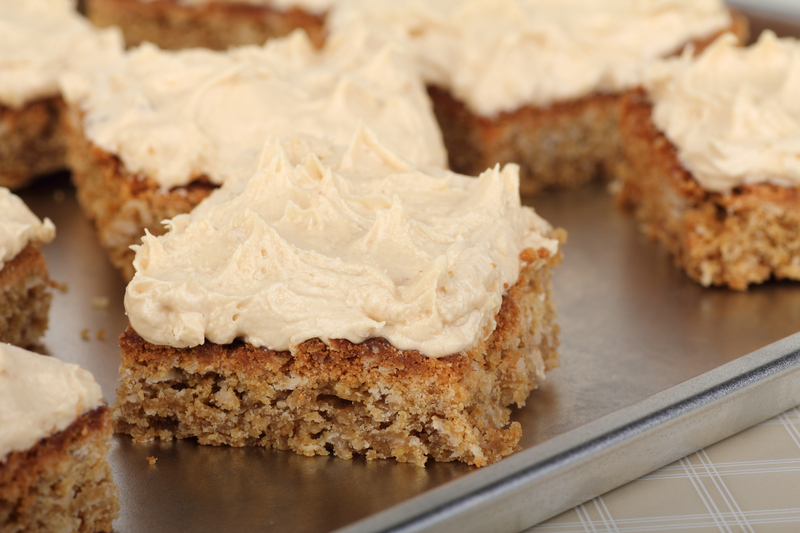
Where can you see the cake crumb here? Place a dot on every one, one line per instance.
(99, 302)
(85, 334)
(60, 287)
(152, 460)
(59, 195)
(101, 334)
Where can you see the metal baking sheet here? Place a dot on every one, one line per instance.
(653, 367)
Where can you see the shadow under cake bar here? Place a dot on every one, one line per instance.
(713, 145)
(348, 305)
(156, 132)
(24, 282)
(39, 41)
(536, 82)
(54, 472)
(215, 24)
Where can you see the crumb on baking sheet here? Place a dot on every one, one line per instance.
(100, 302)
(152, 460)
(101, 334)
(59, 195)
(85, 334)
(60, 287)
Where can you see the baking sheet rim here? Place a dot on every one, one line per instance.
(606, 453)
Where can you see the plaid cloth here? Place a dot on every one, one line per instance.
(749, 482)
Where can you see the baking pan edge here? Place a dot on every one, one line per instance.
(613, 450)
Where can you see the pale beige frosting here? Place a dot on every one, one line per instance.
(733, 113)
(498, 55)
(355, 245)
(39, 396)
(19, 227)
(174, 116)
(42, 39)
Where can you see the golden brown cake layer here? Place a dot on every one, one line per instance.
(24, 298)
(731, 239)
(63, 483)
(215, 25)
(346, 398)
(32, 142)
(563, 145)
(119, 204)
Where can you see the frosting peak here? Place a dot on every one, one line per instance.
(355, 244)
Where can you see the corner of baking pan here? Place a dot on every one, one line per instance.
(555, 475)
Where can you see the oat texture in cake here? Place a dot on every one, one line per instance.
(39, 41)
(24, 282)
(350, 304)
(714, 151)
(154, 134)
(215, 24)
(56, 429)
(535, 82)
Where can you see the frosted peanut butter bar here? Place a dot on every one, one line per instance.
(155, 133)
(39, 41)
(713, 145)
(54, 474)
(24, 282)
(345, 304)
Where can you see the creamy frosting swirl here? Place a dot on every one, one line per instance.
(19, 227)
(40, 396)
(497, 55)
(42, 39)
(175, 116)
(733, 113)
(353, 245)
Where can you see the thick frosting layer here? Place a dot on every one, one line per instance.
(42, 39)
(40, 396)
(19, 227)
(175, 116)
(733, 113)
(355, 245)
(497, 55)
